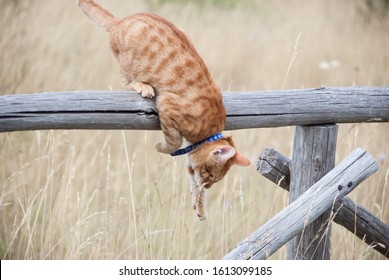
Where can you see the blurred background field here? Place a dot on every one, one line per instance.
(108, 194)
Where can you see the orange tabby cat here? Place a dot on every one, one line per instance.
(157, 59)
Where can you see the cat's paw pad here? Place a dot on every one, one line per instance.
(144, 89)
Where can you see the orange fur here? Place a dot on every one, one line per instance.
(157, 59)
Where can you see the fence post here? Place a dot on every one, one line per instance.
(313, 156)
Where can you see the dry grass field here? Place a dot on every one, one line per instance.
(109, 194)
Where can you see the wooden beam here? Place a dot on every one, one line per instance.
(358, 220)
(319, 198)
(128, 110)
(275, 166)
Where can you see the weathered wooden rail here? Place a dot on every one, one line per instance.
(313, 111)
(124, 110)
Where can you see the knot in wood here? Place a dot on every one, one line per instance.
(317, 162)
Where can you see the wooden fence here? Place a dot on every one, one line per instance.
(306, 209)
(277, 168)
(317, 188)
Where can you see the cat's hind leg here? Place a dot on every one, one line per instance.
(173, 141)
(144, 89)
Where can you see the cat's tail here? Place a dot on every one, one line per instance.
(98, 14)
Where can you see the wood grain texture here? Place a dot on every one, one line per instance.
(313, 156)
(275, 167)
(357, 219)
(349, 173)
(128, 110)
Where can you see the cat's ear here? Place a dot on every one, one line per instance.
(241, 160)
(223, 153)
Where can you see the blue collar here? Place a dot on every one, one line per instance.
(196, 145)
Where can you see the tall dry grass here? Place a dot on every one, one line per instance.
(108, 194)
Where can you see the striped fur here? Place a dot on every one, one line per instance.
(158, 60)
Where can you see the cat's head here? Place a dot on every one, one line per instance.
(210, 162)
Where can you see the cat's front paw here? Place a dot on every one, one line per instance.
(201, 213)
(198, 201)
(163, 148)
(144, 89)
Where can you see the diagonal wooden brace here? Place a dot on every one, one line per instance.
(375, 233)
(319, 198)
